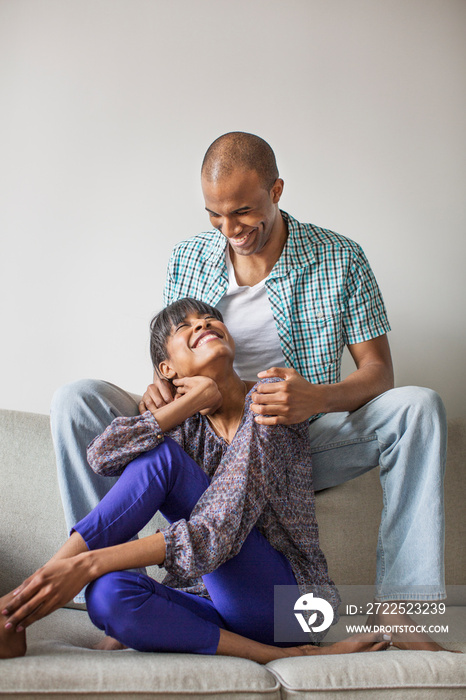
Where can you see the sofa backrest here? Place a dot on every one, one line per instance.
(32, 525)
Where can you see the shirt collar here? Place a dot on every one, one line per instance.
(297, 252)
(218, 247)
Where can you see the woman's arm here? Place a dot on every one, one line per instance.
(72, 568)
(127, 437)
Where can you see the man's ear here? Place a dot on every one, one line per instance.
(166, 372)
(277, 190)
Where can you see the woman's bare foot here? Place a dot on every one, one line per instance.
(109, 644)
(356, 644)
(12, 643)
(231, 644)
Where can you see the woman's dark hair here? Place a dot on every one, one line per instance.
(162, 324)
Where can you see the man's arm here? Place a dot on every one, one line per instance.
(295, 399)
(373, 376)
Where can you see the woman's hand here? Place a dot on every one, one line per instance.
(203, 392)
(193, 395)
(49, 588)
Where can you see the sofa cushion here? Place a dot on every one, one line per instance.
(389, 674)
(61, 663)
(408, 675)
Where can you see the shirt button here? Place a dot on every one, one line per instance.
(320, 314)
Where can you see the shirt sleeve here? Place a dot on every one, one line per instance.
(365, 315)
(230, 507)
(168, 288)
(122, 441)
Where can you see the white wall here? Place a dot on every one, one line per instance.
(107, 107)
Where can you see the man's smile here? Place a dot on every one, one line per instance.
(242, 240)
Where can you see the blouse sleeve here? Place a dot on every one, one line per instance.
(124, 439)
(230, 507)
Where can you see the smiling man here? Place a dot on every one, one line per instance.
(293, 296)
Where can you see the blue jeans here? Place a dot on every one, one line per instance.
(403, 430)
(148, 616)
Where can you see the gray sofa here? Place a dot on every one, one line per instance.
(61, 661)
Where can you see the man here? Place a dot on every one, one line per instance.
(293, 295)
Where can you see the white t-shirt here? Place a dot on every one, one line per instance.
(248, 316)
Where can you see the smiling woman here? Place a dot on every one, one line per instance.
(169, 320)
(238, 499)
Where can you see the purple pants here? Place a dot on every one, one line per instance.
(148, 616)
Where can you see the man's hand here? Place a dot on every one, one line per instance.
(158, 394)
(203, 391)
(291, 401)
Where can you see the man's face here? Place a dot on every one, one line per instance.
(241, 208)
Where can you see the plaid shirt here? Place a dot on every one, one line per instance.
(322, 292)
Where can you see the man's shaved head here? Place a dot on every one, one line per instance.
(239, 150)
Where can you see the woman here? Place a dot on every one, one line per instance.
(239, 526)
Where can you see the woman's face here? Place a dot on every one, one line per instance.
(194, 344)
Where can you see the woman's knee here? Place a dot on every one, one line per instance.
(104, 598)
(117, 604)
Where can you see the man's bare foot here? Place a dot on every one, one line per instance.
(109, 644)
(12, 643)
(405, 631)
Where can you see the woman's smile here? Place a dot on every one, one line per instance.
(205, 337)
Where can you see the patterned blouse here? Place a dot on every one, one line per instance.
(263, 478)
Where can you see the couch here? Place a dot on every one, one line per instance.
(61, 662)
